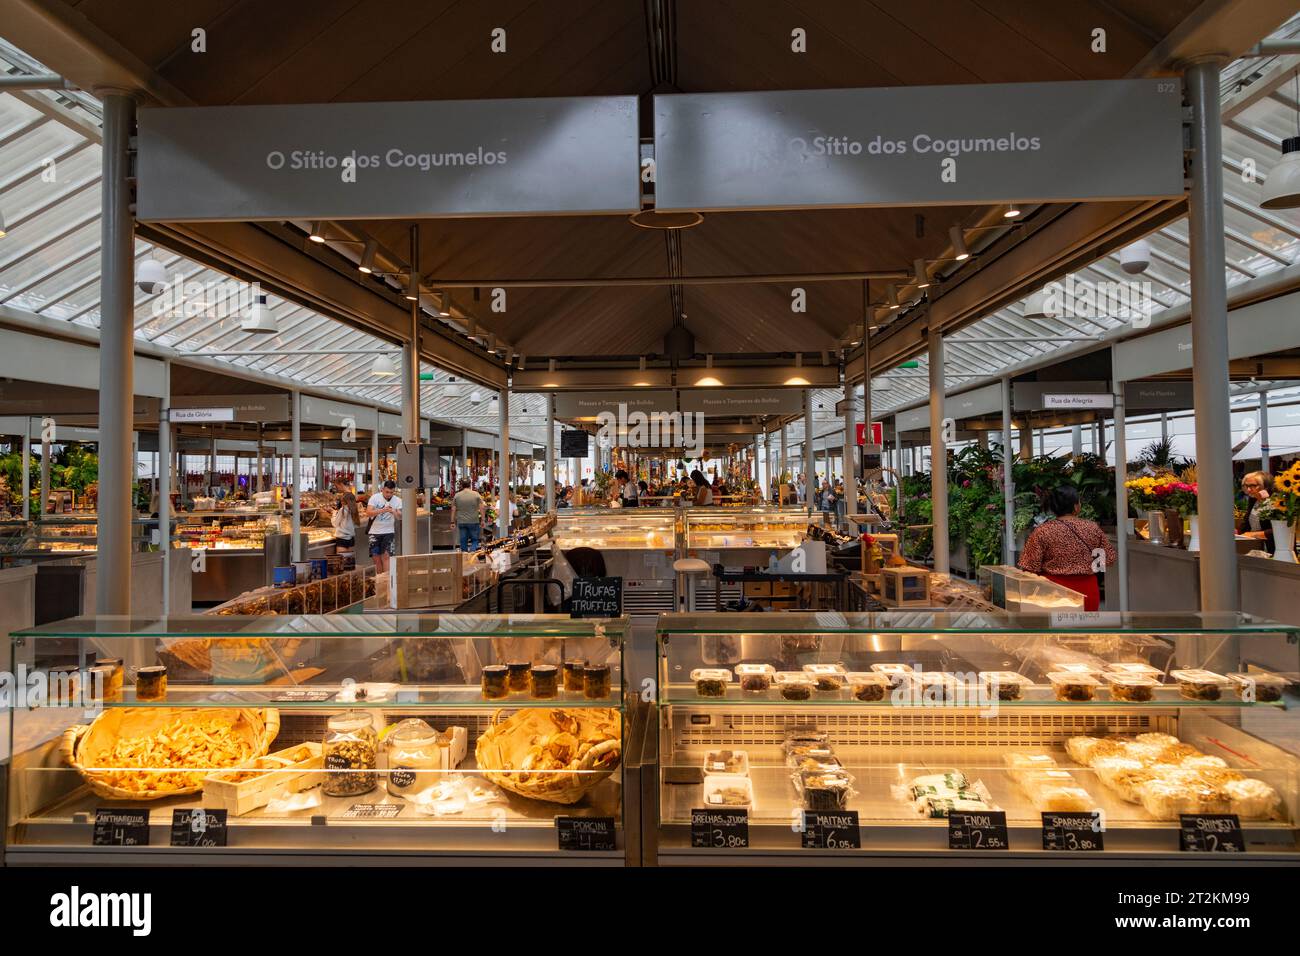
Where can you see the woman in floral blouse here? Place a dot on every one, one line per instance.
(1068, 549)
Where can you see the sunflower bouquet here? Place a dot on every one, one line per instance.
(1284, 503)
(1162, 493)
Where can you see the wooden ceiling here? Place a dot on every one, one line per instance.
(300, 51)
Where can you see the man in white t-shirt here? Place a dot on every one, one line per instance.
(383, 508)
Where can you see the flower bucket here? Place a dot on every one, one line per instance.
(1284, 542)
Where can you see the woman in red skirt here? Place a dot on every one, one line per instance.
(1068, 549)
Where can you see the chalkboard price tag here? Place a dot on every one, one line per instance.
(720, 828)
(596, 597)
(831, 831)
(1211, 833)
(198, 828)
(371, 811)
(119, 827)
(1072, 831)
(574, 443)
(982, 830)
(585, 833)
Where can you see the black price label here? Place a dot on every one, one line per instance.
(1072, 831)
(120, 828)
(831, 831)
(723, 828)
(585, 833)
(1211, 833)
(982, 830)
(198, 828)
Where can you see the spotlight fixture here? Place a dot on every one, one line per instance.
(960, 252)
(1136, 257)
(891, 294)
(367, 263)
(1012, 211)
(259, 318)
(316, 233)
(920, 277)
(383, 367)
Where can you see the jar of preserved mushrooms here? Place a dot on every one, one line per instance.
(351, 751)
(412, 748)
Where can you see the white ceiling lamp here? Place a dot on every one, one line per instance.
(151, 277)
(383, 367)
(1036, 306)
(920, 277)
(1282, 188)
(3, 232)
(367, 263)
(1012, 211)
(316, 233)
(958, 241)
(1136, 257)
(259, 318)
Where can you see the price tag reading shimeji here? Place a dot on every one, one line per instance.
(831, 831)
(982, 830)
(1072, 831)
(1211, 833)
(720, 828)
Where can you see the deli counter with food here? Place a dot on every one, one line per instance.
(352, 737)
(242, 548)
(793, 737)
(637, 544)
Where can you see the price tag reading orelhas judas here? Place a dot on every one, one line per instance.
(720, 828)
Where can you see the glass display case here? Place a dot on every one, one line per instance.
(1015, 590)
(621, 529)
(241, 530)
(66, 535)
(355, 737)
(896, 722)
(726, 530)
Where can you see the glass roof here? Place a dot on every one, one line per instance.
(50, 161)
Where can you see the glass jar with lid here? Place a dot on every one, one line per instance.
(412, 750)
(350, 751)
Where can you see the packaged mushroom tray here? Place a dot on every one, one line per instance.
(935, 795)
(819, 778)
(1167, 777)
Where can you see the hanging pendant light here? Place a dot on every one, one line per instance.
(151, 277)
(383, 367)
(1282, 188)
(259, 318)
(1036, 305)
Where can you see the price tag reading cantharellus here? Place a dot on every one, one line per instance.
(120, 827)
(1072, 831)
(981, 830)
(1211, 833)
(836, 830)
(720, 828)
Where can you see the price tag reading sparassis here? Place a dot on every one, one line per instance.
(1211, 833)
(198, 828)
(119, 827)
(982, 830)
(721, 828)
(831, 831)
(585, 833)
(1072, 831)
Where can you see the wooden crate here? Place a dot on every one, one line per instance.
(426, 580)
(905, 587)
(297, 768)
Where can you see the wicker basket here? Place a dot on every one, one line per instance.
(84, 744)
(503, 749)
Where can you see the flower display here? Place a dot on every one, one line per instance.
(1284, 503)
(1162, 493)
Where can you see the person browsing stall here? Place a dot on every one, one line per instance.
(345, 519)
(470, 510)
(1066, 548)
(383, 510)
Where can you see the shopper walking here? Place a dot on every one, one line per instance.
(345, 519)
(469, 511)
(1068, 549)
(383, 510)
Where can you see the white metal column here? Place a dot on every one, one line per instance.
(27, 470)
(295, 524)
(503, 500)
(550, 452)
(1210, 382)
(165, 487)
(809, 456)
(938, 454)
(1263, 433)
(116, 360)
(1008, 481)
